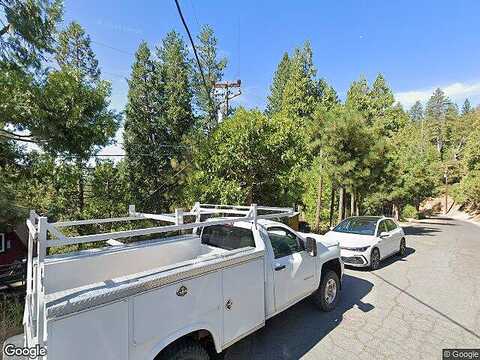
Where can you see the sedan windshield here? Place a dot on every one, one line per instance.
(361, 226)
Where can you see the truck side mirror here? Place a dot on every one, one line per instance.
(311, 246)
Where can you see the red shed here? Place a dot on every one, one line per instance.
(13, 245)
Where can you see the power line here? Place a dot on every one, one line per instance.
(111, 47)
(207, 88)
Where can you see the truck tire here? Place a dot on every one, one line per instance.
(327, 294)
(185, 349)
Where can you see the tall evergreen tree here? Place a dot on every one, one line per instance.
(213, 68)
(327, 96)
(28, 31)
(416, 112)
(147, 161)
(381, 97)
(437, 105)
(436, 112)
(280, 77)
(74, 51)
(174, 68)
(158, 118)
(75, 115)
(466, 108)
(300, 95)
(357, 96)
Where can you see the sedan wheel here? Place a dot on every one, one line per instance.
(375, 259)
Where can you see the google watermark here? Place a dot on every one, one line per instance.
(461, 354)
(33, 352)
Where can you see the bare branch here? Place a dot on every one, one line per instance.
(4, 30)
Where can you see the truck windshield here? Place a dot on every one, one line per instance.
(227, 237)
(361, 226)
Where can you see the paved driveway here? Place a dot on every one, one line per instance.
(411, 308)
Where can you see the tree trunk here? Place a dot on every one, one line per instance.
(319, 203)
(341, 204)
(352, 204)
(332, 204)
(81, 188)
(396, 212)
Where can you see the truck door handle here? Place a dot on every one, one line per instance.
(281, 267)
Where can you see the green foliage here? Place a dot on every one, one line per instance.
(468, 190)
(74, 51)
(300, 94)
(416, 112)
(28, 31)
(467, 107)
(158, 119)
(280, 78)
(250, 158)
(108, 193)
(409, 212)
(213, 68)
(74, 115)
(173, 68)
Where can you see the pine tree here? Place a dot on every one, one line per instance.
(74, 51)
(437, 105)
(174, 68)
(466, 108)
(300, 95)
(213, 69)
(28, 31)
(75, 115)
(416, 112)
(327, 96)
(436, 112)
(147, 160)
(357, 96)
(381, 97)
(274, 101)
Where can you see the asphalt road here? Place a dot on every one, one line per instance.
(411, 308)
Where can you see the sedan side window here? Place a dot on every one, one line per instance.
(284, 242)
(382, 227)
(391, 225)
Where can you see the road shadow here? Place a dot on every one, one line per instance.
(292, 333)
(419, 230)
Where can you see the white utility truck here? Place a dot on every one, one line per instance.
(189, 295)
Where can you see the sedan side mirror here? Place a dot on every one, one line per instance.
(384, 234)
(311, 246)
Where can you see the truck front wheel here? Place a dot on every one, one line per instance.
(326, 296)
(185, 349)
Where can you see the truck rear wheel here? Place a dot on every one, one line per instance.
(185, 349)
(326, 296)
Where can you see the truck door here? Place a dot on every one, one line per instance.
(294, 268)
(243, 300)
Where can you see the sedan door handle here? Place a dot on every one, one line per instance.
(281, 267)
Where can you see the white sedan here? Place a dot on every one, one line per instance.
(366, 240)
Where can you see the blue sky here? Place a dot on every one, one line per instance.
(417, 45)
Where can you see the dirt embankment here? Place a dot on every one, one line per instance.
(436, 206)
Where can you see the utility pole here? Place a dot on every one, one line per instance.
(223, 90)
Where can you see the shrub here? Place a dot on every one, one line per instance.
(410, 212)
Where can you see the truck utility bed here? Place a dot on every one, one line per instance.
(136, 275)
